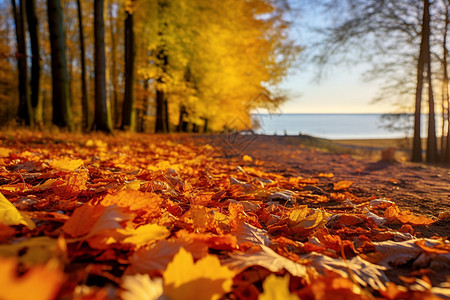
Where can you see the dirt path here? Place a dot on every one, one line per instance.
(419, 188)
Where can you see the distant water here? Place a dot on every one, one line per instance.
(329, 126)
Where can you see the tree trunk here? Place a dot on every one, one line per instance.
(182, 124)
(205, 125)
(145, 101)
(84, 89)
(431, 155)
(62, 114)
(160, 126)
(445, 96)
(162, 112)
(102, 116)
(166, 114)
(161, 98)
(417, 141)
(128, 110)
(24, 114)
(114, 78)
(35, 62)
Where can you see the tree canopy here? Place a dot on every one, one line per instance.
(207, 61)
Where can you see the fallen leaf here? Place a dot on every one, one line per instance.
(248, 233)
(445, 215)
(38, 283)
(9, 215)
(66, 164)
(277, 288)
(266, 258)
(358, 269)
(326, 175)
(144, 234)
(141, 287)
(89, 220)
(35, 251)
(183, 279)
(342, 185)
(154, 259)
(247, 158)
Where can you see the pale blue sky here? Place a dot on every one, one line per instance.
(343, 91)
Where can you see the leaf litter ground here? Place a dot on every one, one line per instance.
(171, 217)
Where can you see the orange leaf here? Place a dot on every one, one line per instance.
(342, 185)
(438, 249)
(326, 175)
(148, 204)
(83, 219)
(39, 283)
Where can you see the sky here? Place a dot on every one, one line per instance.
(342, 91)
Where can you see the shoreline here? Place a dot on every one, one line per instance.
(367, 148)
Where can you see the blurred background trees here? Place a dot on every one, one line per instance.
(156, 65)
(404, 43)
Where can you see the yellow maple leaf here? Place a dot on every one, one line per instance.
(298, 214)
(145, 234)
(66, 164)
(298, 218)
(277, 288)
(9, 215)
(39, 283)
(206, 279)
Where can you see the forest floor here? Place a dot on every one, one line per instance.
(107, 217)
(418, 187)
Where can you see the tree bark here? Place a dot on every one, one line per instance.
(161, 125)
(417, 140)
(102, 116)
(114, 78)
(84, 89)
(24, 114)
(431, 154)
(128, 110)
(35, 61)
(445, 149)
(161, 98)
(62, 114)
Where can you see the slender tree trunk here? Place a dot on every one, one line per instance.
(166, 114)
(62, 114)
(145, 100)
(431, 138)
(84, 89)
(161, 98)
(114, 77)
(162, 112)
(417, 140)
(24, 114)
(445, 95)
(129, 111)
(205, 125)
(102, 117)
(160, 126)
(431, 155)
(35, 62)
